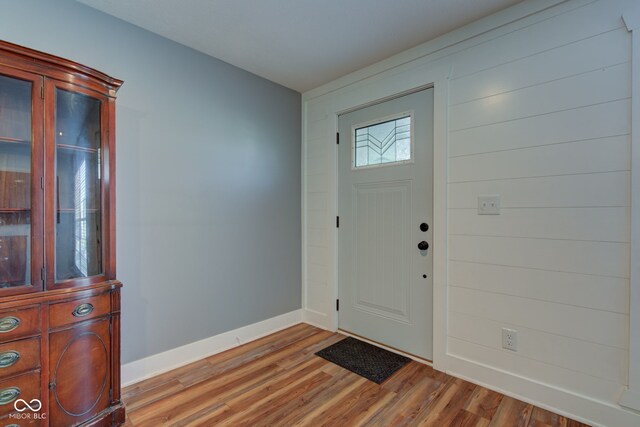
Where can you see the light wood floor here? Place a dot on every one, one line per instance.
(278, 381)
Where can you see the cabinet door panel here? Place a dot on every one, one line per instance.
(78, 223)
(76, 134)
(20, 199)
(79, 372)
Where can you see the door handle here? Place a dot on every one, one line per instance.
(423, 246)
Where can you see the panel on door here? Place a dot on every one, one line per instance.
(79, 372)
(385, 195)
(382, 260)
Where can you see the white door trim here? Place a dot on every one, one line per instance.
(631, 396)
(438, 78)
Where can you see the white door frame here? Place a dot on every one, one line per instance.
(379, 89)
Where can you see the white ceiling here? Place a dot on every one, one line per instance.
(300, 44)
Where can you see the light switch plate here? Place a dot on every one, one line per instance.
(489, 204)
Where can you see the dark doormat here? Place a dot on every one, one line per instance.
(373, 363)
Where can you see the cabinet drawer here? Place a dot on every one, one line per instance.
(66, 313)
(20, 419)
(25, 386)
(19, 323)
(19, 356)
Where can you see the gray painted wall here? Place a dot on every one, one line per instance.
(208, 177)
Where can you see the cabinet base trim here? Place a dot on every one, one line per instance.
(113, 416)
(156, 364)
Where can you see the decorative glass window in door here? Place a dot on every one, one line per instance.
(383, 142)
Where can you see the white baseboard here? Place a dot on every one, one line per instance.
(563, 402)
(630, 399)
(156, 364)
(560, 401)
(315, 318)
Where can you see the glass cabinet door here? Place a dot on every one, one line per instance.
(78, 185)
(20, 204)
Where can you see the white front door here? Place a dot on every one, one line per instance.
(385, 206)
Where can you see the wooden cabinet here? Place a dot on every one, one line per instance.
(86, 347)
(59, 297)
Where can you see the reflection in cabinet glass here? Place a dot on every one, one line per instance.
(78, 163)
(15, 182)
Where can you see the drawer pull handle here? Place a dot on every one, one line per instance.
(9, 358)
(8, 324)
(8, 395)
(83, 310)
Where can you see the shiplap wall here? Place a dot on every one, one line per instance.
(541, 116)
(538, 113)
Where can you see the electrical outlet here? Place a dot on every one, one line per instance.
(489, 205)
(510, 339)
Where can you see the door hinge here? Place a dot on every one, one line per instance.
(110, 394)
(43, 274)
(41, 92)
(337, 305)
(42, 182)
(337, 222)
(338, 138)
